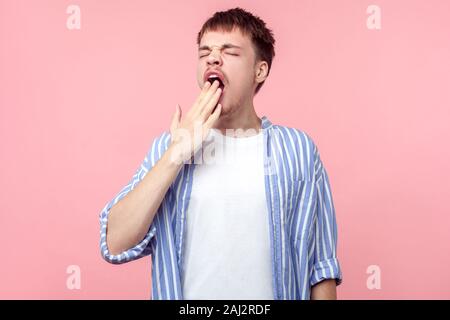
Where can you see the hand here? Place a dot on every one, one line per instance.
(188, 134)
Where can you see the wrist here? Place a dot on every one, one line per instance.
(176, 155)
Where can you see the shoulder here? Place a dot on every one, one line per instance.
(301, 147)
(300, 138)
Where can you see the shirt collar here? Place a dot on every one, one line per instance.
(265, 123)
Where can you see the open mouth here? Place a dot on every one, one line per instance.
(214, 77)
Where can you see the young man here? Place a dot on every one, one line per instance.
(257, 222)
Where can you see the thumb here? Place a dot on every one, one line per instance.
(213, 117)
(175, 118)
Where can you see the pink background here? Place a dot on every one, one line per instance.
(79, 109)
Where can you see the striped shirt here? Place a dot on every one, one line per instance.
(302, 221)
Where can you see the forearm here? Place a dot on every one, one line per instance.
(324, 290)
(130, 218)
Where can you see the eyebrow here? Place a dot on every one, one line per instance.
(225, 46)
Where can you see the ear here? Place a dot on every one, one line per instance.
(261, 71)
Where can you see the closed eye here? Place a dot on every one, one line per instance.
(229, 53)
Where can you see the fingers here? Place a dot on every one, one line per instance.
(211, 104)
(213, 117)
(206, 96)
(213, 87)
(205, 89)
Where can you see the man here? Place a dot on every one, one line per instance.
(256, 223)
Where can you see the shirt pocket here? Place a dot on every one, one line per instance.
(300, 208)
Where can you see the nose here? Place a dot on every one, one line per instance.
(214, 57)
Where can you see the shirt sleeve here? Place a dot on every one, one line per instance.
(326, 264)
(143, 248)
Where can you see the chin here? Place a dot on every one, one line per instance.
(226, 110)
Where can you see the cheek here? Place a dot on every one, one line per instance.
(244, 73)
(200, 71)
(244, 80)
(199, 79)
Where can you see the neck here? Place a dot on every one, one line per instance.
(243, 118)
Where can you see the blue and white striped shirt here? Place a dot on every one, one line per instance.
(303, 230)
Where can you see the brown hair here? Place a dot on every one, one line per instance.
(250, 25)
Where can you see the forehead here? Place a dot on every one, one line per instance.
(219, 37)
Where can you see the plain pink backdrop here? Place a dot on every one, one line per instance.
(79, 109)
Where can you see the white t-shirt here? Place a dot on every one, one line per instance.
(227, 249)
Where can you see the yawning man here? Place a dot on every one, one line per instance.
(228, 204)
